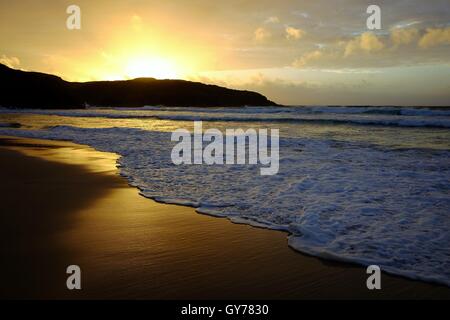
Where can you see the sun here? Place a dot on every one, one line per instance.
(153, 67)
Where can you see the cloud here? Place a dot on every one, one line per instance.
(308, 57)
(294, 33)
(399, 47)
(262, 34)
(335, 56)
(326, 87)
(435, 37)
(367, 42)
(12, 62)
(272, 19)
(401, 36)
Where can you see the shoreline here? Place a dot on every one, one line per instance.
(167, 251)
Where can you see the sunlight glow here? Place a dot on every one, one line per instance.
(153, 67)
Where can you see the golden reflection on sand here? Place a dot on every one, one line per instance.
(132, 247)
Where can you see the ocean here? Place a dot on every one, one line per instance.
(367, 185)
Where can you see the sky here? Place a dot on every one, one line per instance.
(295, 52)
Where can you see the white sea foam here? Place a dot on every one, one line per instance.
(348, 201)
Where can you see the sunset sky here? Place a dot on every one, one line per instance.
(294, 52)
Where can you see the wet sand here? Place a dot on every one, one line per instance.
(65, 204)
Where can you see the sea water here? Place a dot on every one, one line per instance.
(368, 185)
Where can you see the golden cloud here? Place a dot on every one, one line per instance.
(435, 37)
(307, 58)
(367, 42)
(12, 62)
(404, 36)
(294, 33)
(262, 34)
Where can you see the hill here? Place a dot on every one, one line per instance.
(22, 89)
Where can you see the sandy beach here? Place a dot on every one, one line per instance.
(65, 204)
